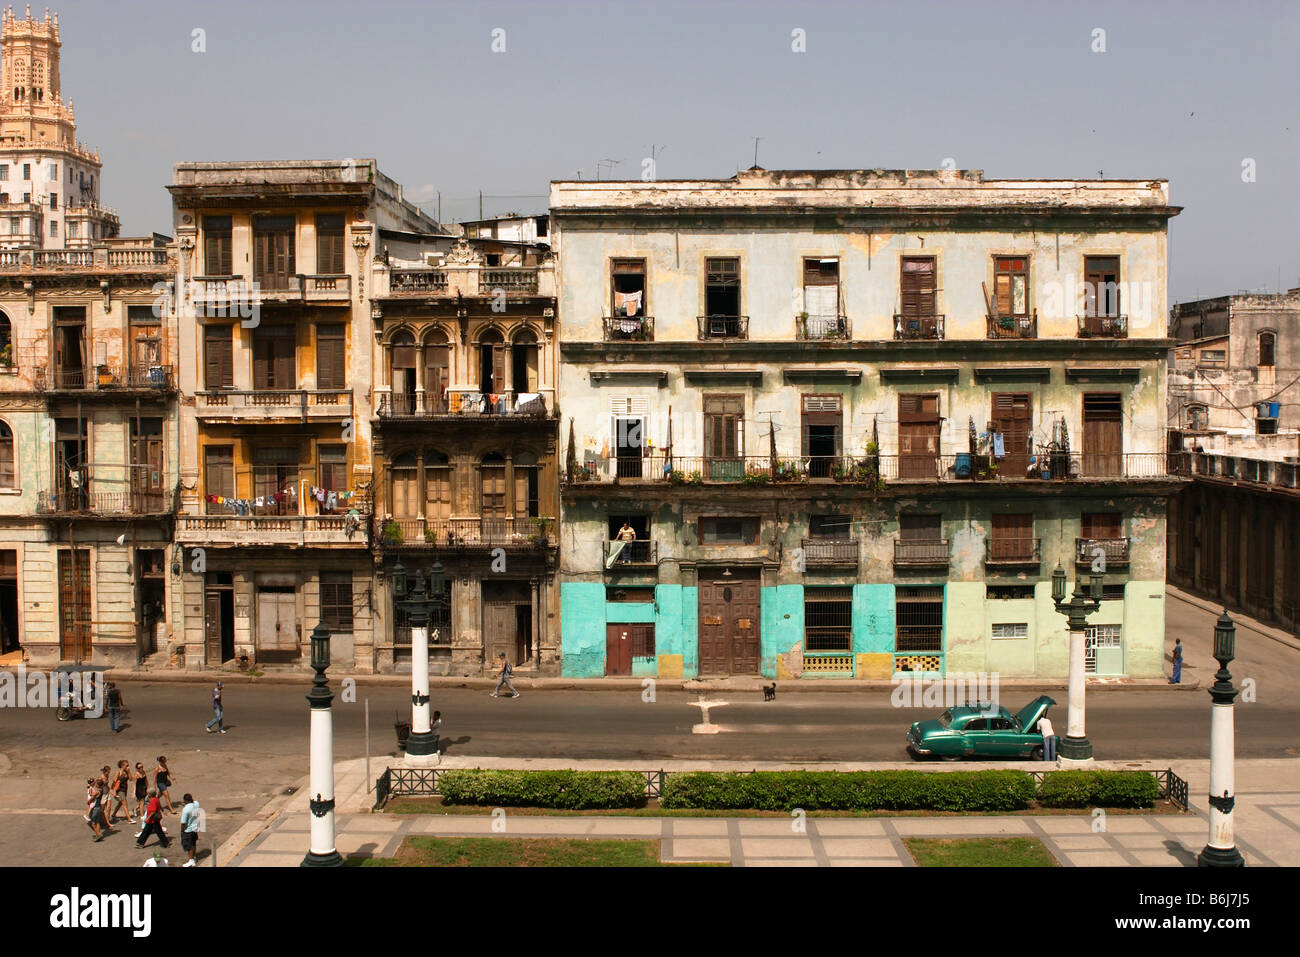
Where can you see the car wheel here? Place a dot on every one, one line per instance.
(951, 757)
(1036, 754)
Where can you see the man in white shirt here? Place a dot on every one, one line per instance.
(1049, 739)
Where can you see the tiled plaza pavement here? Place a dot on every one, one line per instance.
(1268, 829)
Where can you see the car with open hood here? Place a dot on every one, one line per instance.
(981, 730)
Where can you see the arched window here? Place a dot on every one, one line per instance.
(8, 456)
(492, 484)
(437, 371)
(6, 341)
(524, 362)
(492, 362)
(402, 373)
(1267, 349)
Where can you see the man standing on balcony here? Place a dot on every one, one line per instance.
(1178, 662)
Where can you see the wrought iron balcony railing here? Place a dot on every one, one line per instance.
(918, 327)
(723, 327)
(617, 553)
(1114, 550)
(923, 552)
(1012, 551)
(829, 551)
(465, 532)
(629, 328)
(817, 328)
(1103, 327)
(1013, 327)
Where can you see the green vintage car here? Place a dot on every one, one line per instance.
(981, 731)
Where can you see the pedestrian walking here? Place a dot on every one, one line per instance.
(162, 780)
(1178, 662)
(152, 821)
(505, 677)
(216, 710)
(115, 703)
(436, 728)
(120, 791)
(190, 817)
(92, 809)
(141, 779)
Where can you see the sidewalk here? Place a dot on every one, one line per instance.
(1267, 823)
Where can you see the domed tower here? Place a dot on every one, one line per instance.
(49, 183)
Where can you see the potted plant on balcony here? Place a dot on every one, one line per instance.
(540, 538)
(787, 471)
(391, 533)
(755, 477)
(431, 536)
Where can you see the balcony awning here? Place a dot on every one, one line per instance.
(1102, 374)
(926, 373)
(624, 375)
(739, 376)
(1013, 373)
(821, 374)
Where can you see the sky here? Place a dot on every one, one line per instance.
(1201, 94)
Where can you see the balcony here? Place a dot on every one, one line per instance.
(1233, 468)
(145, 256)
(923, 553)
(1115, 550)
(822, 328)
(826, 552)
(918, 327)
(465, 533)
(723, 327)
(519, 279)
(1013, 327)
(108, 380)
(108, 490)
(281, 530)
(629, 328)
(1013, 552)
(618, 554)
(460, 405)
(321, 290)
(1103, 327)
(468, 280)
(417, 282)
(273, 405)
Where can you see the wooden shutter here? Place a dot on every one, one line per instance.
(917, 292)
(1101, 286)
(329, 244)
(723, 424)
(1101, 525)
(331, 366)
(494, 491)
(217, 260)
(218, 356)
(920, 528)
(219, 468)
(498, 368)
(1013, 417)
(436, 374)
(437, 492)
(405, 487)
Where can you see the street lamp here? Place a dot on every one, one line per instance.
(323, 853)
(418, 603)
(1221, 851)
(1076, 746)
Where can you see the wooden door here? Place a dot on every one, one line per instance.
(277, 624)
(1012, 538)
(730, 624)
(1103, 434)
(917, 297)
(436, 378)
(1013, 414)
(218, 357)
(74, 605)
(274, 250)
(212, 627)
(618, 649)
(331, 357)
(724, 437)
(918, 436)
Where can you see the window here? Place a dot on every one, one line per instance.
(724, 435)
(1101, 525)
(918, 616)
(274, 251)
(1214, 357)
(722, 288)
(1105, 638)
(1198, 418)
(4, 171)
(526, 476)
(54, 171)
(1267, 348)
(920, 528)
(1012, 538)
(615, 593)
(329, 244)
(492, 362)
(523, 362)
(1103, 433)
(72, 230)
(273, 354)
(917, 299)
(146, 342)
(27, 171)
(54, 200)
(437, 486)
(918, 435)
(6, 341)
(27, 197)
(830, 526)
(1009, 592)
(275, 468)
(1011, 630)
(54, 227)
(492, 481)
(1011, 285)
(219, 473)
(1013, 419)
(827, 619)
(331, 364)
(7, 456)
(822, 433)
(336, 600)
(437, 372)
(728, 531)
(821, 296)
(333, 471)
(627, 282)
(219, 369)
(217, 257)
(1101, 286)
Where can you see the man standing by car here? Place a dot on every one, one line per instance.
(1049, 739)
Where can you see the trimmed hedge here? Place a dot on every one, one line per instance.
(851, 790)
(573, 790)
(1099, 789)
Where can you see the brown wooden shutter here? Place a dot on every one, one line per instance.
(1101, 525)
(219, 357)
(219, 466)
(218, 260)
(498, 367)
(917, 292)
(329, 244)
(331, 366)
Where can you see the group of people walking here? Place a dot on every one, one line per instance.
(127, 789)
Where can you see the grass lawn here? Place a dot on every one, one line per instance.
(516, 852)
(980, 852)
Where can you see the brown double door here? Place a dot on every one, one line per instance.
(730, 611)
(74, 605)
(1013, 414)
(1103, 434)
(918, 436)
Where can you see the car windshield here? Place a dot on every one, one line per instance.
(945, 719)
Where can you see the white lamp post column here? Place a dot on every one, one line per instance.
(1221, 851)
(422, 741)
(1076, 748)
(320, 795)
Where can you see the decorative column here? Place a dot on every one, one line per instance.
(1076, 748)
(323, 853)
(422, 742)
(1222, 851)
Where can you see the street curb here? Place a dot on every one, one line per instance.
(267, 817)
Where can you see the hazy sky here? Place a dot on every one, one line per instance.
(1184, 91)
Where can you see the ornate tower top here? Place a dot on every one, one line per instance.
(32, 111)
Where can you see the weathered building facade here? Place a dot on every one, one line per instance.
(464, 418)
(276, 340)
(847, 423)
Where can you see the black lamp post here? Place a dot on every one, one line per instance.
(418, 603)
(323, 853)
(1221, 851)
(1076, 746)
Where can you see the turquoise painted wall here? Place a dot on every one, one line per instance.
(582, 629)
(781, 610)
(677, 625)
(873, 618)
(622, 612)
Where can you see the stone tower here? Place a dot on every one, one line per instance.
(31, 106)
